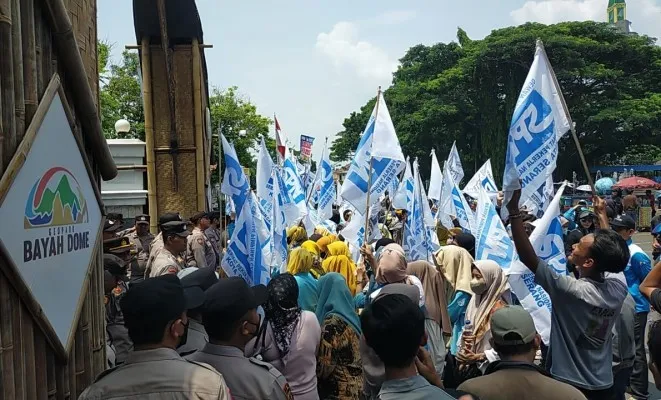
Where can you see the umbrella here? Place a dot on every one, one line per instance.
(636, 182)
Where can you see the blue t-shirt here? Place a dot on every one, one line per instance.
(639, 266)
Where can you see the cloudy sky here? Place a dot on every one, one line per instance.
(313, 64)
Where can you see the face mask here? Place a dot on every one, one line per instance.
(184, 337)
(478, 286)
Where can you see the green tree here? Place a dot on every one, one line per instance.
(231, 113)
(121, 94)
(466, 92)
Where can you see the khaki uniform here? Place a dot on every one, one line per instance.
(164, 263)
(247, 378)
(158, 374)
(155, 247)
(196, 340)
(143, 247)
(199, 252)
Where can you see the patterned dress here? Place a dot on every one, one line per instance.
(339, 368)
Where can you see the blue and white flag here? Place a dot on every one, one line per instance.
(403, 198)
(483, 179)
(264, 181)
(327, 187)
(436, 179)
(416, 241)
(545, 194)
(294, 185)
(454, 166)
(492, 241)
(456, 204)
(539, 120)
(279, 224)
(244, 253)
(378, 147)
(263, 228)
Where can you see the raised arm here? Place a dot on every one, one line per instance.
(523, 246)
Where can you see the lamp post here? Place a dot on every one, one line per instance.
(122, 127)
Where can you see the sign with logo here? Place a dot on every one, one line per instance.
(51, 217)
(306, 146)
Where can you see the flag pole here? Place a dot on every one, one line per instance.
(369, 171)
(318, 165)
(572, 124)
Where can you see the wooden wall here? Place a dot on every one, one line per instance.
(29, 369)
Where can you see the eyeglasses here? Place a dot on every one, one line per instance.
(587, 219)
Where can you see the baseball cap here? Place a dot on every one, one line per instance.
(175, 228)
(229, 299)
(142, 219)
(169, 217)
(115, 266)
(585, 213)
(157, 300)
(511, 326)
(623, 221)
(111, 225)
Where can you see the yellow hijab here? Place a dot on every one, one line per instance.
(296, 235)
(300, 261)
(339, 260)
(313, 248)
(455, 263)
(324, 242)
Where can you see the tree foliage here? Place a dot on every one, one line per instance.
(466, 92)
(121, 94)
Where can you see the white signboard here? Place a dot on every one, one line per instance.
(51, 219)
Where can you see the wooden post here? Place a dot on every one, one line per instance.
(29, 61)
(199, 133)
(7, 83)
(149, 134)
(17, 54)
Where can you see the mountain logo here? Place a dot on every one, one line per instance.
(55, 199)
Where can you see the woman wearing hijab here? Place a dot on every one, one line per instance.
(454, 263)
(288, 338)
(296, 235)
(467, 241)
(339, 367)
(392, 269)
(299, 265)
(491, 292)
(313, 248)
(339, 260)
(437, 321)
(323, 245)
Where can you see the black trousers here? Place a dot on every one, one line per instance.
(638, 382)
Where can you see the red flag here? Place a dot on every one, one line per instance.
(279, 143)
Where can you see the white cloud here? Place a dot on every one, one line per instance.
(345, 49)
(394, 17)
(645, 15)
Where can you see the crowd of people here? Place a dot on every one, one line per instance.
(385, 327)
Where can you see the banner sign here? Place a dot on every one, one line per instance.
(306, 146)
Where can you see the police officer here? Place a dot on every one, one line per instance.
(202, 278)
(155, 315)
(213, 234)
(110, 228)
(157, 243)
(199, 252)
(121, 247)
(117, 336)
(229, 315)
(174, 242)
(141, 238)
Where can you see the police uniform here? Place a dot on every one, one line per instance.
(248, 378)
(197, 335)
(213, 234)
(165, 262)
(159, 372)
(142, 247)
(200, 251)
(157, 244)
(117, 334)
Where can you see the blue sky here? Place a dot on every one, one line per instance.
(313, 63)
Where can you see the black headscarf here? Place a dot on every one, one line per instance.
(282, 310)
(467, 241)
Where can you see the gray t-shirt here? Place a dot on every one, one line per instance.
(413, 388)
(584, 312)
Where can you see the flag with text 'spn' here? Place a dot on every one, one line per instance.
(380, 149)
(417, 243)
(435, 179)
(539, 121)
(235, 184)
(326, 187)
(294, 185)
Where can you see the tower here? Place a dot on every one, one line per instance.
(617, 15)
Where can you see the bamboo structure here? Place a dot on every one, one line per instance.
(176, 133)
(40, 39)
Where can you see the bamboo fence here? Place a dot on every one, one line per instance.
(39, 39)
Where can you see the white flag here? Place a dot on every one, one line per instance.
(483, 178)
(380, 149)
(436, 178)
(403, 198)
(538, 122)
(454, 165)
(327, 187)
